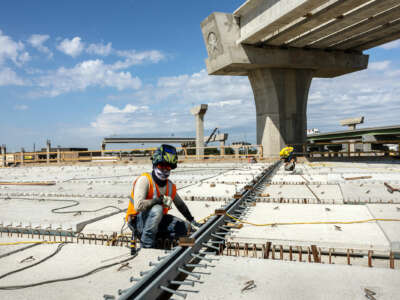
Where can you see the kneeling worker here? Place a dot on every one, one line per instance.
(151, 198)
(290, 160)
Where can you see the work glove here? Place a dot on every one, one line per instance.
(167, 201)
(157, 200)
(195, 225)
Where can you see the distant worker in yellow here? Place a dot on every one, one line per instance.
(152, 197)
(288, 157)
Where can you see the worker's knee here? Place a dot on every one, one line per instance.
(156, 212)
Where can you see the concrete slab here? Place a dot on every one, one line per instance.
(363, 236)
(38, 212)
(292, 280)
(390, 229)
(72, 260)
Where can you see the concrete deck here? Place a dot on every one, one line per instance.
(293, 280)
(366, 236)
(72, 260)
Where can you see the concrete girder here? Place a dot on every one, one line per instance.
(379, 42)
(220, 33)
(341, 22)
(372, 35)
(322, 16)
(363, 26)
(259, 18)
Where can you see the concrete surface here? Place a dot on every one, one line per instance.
(356, 236)
(325, 181)
(292, 280)
(72, 260)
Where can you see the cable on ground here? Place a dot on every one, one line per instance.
(311, 223)
(36, 263)
(17, 287)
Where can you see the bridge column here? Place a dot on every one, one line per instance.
(103, 148)
(199, 112)
(281, 106)
(222, 148)
(3, 155)
(22, 156)
(48, 146)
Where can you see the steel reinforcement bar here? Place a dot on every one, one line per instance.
(159, 282)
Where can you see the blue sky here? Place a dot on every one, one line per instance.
(75, 72)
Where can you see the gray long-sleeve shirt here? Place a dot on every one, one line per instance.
(142, 204)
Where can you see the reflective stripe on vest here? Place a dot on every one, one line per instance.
(170, 191)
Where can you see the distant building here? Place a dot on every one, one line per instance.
(312, 131)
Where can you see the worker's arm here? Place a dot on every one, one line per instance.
(183, 209)
(140, 193)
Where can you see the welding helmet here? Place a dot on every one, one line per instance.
(165, 154)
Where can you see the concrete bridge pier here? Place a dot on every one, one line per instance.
(48, 146)
(3, 155)
(281, 107)
(199, 112)
(279, 76)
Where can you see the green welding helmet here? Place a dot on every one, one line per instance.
(165, 154)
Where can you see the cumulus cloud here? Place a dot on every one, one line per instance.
(72, 47)
(229, 98)
(129, 108)
(379, 65)
(373, 93)
(132, 57)
(391, 45)
(21, 107)
(37, 41)
(99, 49)
(83, 75)
(14, 51)
(9, 77)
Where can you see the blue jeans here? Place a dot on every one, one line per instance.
(153, 224)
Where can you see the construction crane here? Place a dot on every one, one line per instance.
(212, 135)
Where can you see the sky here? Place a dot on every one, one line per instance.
(75, 72)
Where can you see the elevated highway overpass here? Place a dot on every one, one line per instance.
(281, 45)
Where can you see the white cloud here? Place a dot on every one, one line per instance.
(99, 49)
(37, 41)
(21, 107)
(133, 57)
(83, 75)
(168, 107)
(379, 65)
(391, 45)
(9, 49)
(9, 77)
(129, 108)
(373, 93)
(225, 103)
(72, 47)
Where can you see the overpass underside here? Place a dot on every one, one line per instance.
(281, 45)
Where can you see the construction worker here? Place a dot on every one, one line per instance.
(286, 154)
(151, 197)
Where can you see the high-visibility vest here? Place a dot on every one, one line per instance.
(170, 191)
(285, 152)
